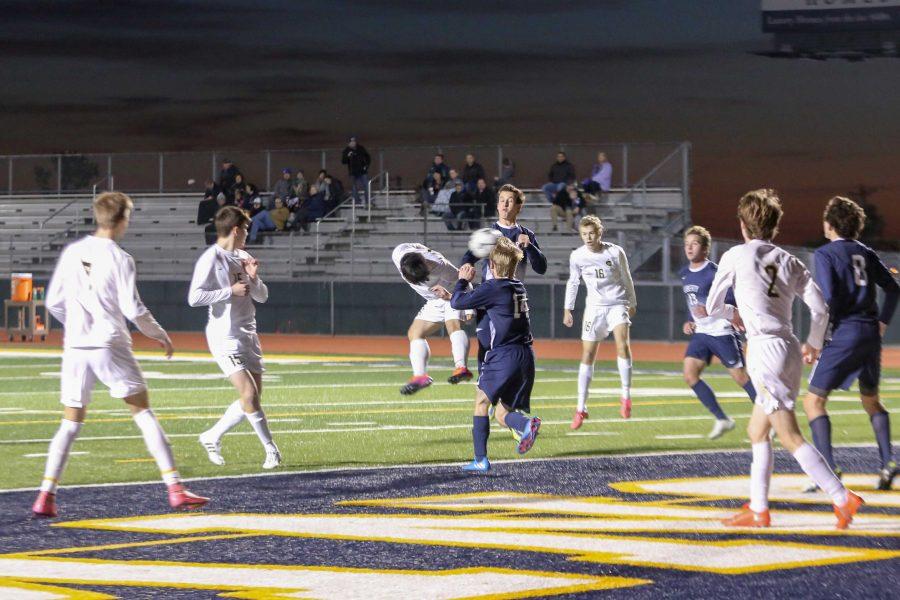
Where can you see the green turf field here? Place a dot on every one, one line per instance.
(336, 414)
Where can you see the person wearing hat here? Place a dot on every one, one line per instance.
(282, 188)
(357, 160)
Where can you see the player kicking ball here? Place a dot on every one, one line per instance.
(92, 293)
(848, 273)
(507, 374)
(710, 336)
(608, 307)
(226, 279)
(431, 276)
(765, 280)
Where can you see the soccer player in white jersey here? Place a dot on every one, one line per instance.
(432, 276)
(766, 279)
(226, 279)
(608, 307)
(92, 293)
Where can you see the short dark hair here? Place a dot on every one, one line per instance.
(414, 268)
(229, 217)
(846, 217)
(518, 194)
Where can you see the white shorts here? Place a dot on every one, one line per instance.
(439, 311)
(115, 367)
(775, 366)
(233, 355)
(599, 321)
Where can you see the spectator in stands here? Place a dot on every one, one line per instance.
(485, 201)
(601, 176)
(239, 200)
(441, 205)
(255, 205)
(283, 187)
(566, 204)
(228, 177)
(434, 183)
(472, 172)
(561, 173)
(437, 166)
(320, 179)
(507, 173)
(357, 160)
(211, 190)
(206, 214)
(206, 210)
(332, 191)
(452, 178)
(300, 189)
(311, 209)
(456, 206)
(268, 220)
(239, 184)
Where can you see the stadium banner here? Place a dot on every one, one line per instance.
(830, 15)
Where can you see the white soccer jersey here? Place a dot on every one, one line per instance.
(230, 317)
(443, 273)
(92, 293)
(605, 274)
(765, 279)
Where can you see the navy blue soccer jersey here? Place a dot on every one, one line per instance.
(506, 303)
(695, 285)
(533, 254)
(848, 273)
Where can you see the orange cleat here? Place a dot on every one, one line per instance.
(578, 419)
(625, 409)
(460, 374)
(179, 497)
(45, 505)
(748, 518)
(845, 513)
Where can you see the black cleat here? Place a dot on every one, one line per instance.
(415, 384)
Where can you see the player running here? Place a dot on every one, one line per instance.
(608, 307)
(766, 279)
(848, 273)
(432, 276)
(507, 374)
(710, 336)
(226, 279)
(92, 293)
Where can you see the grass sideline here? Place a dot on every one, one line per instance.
(332, 412)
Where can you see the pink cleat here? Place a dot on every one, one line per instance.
(580, 416)
(45, 505)
(179, 497)
(625, 409)
(415, 384)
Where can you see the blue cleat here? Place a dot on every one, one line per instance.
(529, 435)
(478, 466)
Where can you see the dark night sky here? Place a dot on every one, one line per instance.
(133, 75)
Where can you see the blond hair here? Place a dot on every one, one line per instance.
(702, 233)
(592, 221)
(505, 257)
(760, 212)
(111, 208)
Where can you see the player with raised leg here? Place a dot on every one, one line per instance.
(432, 276)
(709, 336)
(226, 279)
(765, 280)
(92, 293)
(608, 307)
(507, 375)
(848, 273)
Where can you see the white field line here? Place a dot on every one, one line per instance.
(45, 454)
(594, 421)
(417, 466)
(686, 436)
(594, 433)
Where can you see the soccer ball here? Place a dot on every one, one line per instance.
(481, 242)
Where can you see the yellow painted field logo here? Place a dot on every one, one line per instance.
(589, 529)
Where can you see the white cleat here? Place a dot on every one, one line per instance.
(213, 451)
(721, 427)
(273, 458)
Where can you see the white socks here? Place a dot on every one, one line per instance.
(459, 346)
(818, 470)
(58, 454)
(624, 365)
(418, 356)
(585, 374)
(761, 475)
(233, 416)
(261, 427)
(158, 445)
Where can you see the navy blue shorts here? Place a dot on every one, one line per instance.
(507, 376)
(854, 351)
(727, 348)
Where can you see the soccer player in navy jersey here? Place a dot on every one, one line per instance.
(507, 374)
(848, 272)
(510, 201)
(710, 336)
